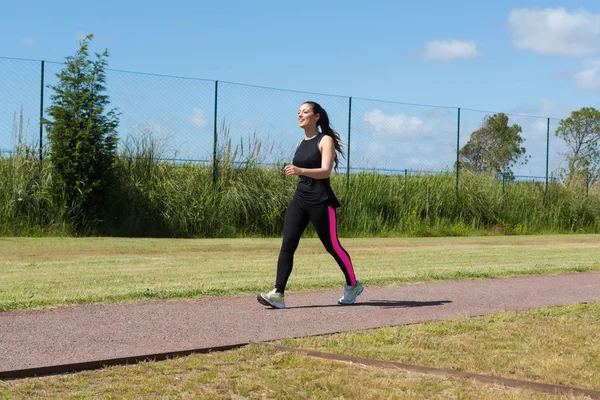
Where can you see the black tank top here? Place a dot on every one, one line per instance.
(313, 191)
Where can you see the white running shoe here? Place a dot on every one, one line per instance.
(351, 293)
(271, 299)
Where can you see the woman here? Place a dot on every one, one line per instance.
(313, 201)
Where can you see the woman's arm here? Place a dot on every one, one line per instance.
(327, 157)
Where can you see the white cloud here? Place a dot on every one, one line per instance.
(27, 41)
(397, 125)
(400, 140)
(449, 50)
(556, 31)
(197, 118)
(589, 77)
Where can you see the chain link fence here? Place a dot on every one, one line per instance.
(20, 97)
(176, 112)
(196, 120)
(531, 165)
(557, 151)
(396, 138)
(267, 117)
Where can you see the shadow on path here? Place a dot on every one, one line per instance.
(382, 304)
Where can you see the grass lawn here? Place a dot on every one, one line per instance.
(42, 272)
(553, 345)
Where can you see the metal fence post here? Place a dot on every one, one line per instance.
(547, 151)
(42, 113)
(405, 183)
(215, 162)
(587, 185)
(427, 205)
(348, 151)
(457, 150)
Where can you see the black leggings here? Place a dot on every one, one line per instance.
(296, 220)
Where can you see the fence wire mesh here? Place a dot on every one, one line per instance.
(20, 92)
(394, 137)
(184, 115)
(256, 115)
(558, 151)
(176, 112)
(536, 132)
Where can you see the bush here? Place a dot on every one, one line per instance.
(82, 139)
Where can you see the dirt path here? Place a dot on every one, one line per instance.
(94, 334)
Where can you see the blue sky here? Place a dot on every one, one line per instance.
(352, 48)
(534, 57)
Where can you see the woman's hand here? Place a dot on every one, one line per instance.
(292, 170)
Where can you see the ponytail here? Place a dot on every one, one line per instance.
(326, 129)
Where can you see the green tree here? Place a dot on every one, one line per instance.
(581, 133)
(495, 148)
(82, 137)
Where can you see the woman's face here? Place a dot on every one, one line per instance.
(306, 116)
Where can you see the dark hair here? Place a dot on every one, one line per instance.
(323, 122)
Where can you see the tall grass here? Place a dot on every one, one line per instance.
(427, 205)
(26, 204)
(159, 198)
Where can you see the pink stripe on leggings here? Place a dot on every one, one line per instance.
(336, 245)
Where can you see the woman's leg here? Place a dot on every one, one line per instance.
(294, 224)
(325, 223)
